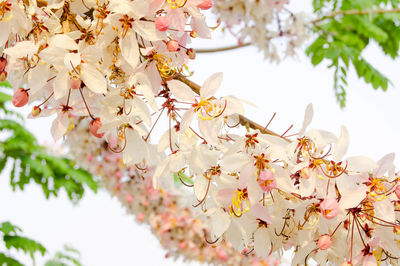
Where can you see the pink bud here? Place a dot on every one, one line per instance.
(222, 255)
(193, 34)
(75, 83)
(162, 23)
(94, 126)
(397, 191)
(324, 242)
(396, 229)
(172, 45)
(3, 76)
(267, 181)
(140, 217)
(305, 173)
(129, 198)
(206, 4)
(3, 63)
(191, 53)
(329, 208)
(182, 245)
(20, 98)
(118, 175)
(36, 111)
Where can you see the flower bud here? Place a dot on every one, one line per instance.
(193, 34)
(396, 229)
(182, 245)
(305, 173)
(397, 192)
(329, 208)
(36, 111)
(172, 45)
(3, 63)
(94, 126)
(129, 198)
(20, 98)
(191, 53)
(140, 217)
(324, 242)
(397, 205)
(75, 83)
(162, 23)
(222, 255)
(206, 4)
(3, 76)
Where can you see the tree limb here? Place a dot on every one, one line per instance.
(222, 49)
(244, 121)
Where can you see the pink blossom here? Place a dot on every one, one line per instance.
(20, 98)
(162, 23)
(267, 181)
(329, 208)
(324, 242)
(94, 128)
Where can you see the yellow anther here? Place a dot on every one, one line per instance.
(240, 204)
(208, 109)
(176, 3)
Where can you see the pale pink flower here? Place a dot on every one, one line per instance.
(267, 181)
(329, 208)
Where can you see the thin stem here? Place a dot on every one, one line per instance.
(84, 101)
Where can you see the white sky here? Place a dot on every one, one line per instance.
(99, 228)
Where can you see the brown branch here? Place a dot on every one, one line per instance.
(244, 121)
(356, 12)
(222, 49)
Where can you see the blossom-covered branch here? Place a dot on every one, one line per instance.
(124, 65)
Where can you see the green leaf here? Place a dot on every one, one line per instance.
(7, 228)
(8, 261)
(28, 246)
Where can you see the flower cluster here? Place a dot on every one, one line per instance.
(166, 212)
(268, 24)
(123, 64)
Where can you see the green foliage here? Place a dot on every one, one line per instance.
(342, 38)
(12, 240)
(69, 256)
(31, 162)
